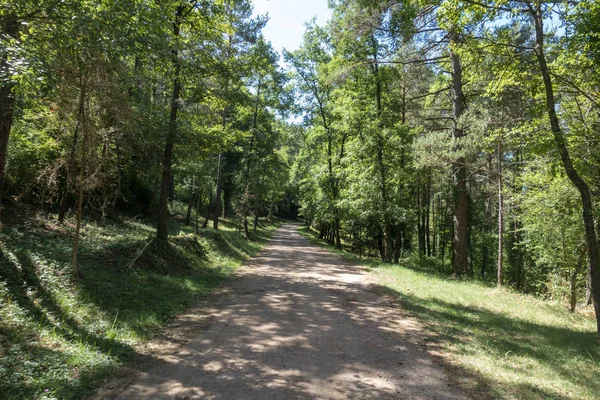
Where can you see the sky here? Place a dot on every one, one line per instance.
(286, 20)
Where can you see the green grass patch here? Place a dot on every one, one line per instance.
(60, 335)
(499, 342)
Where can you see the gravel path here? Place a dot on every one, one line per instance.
(296, 323)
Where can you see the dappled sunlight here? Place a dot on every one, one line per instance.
(502, 337)
(296, 323)
(67, 334)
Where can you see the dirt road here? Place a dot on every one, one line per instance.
(296, 323)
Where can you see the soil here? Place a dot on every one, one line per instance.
(295, 323)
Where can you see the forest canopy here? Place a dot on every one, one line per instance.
(464, 134)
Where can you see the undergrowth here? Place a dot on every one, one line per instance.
(499, 343)
(60, 335)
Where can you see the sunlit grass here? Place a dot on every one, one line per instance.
(498, 342)
(517, 346)
(59, 336)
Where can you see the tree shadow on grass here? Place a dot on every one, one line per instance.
(28, 291)
(24, 367)
(139, 300)
(162, 283)
(233, 243)
(552, 347)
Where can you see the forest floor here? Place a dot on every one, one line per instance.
(60, 335)
(498, 343)
(295, 322)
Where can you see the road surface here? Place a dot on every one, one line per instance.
(295, 323)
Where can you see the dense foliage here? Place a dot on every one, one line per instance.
(131, 105)
(462, 132)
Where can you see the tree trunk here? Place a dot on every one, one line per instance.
(434, 212)
(398, 242)
(71, 160)
(427, 210)
(79, 216)
(380, 245)
(460, 260)
(119, 189)
(81, 181)
(199, 201)
(470, 245)
(162, 226)
(162, 232)
(246, 231)
(386, 245)
(444, 227)
(171, 196)
(332, 240)
(338, 239)
(219, 189)
(573, 282)
(227, 188)
(419, 218)
(573, 291)
(485, 250)
(574, 177)
(460, 244)
(7, 98)
(588, 287)
(515, 256)
(209, 206)
(188, 215)
(500, 214)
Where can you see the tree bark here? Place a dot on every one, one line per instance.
(460, 245)
(573, 291)
(246, 231)
(500, 214)
(188, 215)
(7, 98)
(199, 201)
(338, 239)
(386, 248)
(572, 173)
(427, 216)
(171, 197)
(162, 226)
(380, 245)
(219, 189)
(227, 189)
(70, 165)
(515, 255)
(399, 242)
(573, 281)
(81, 181)
(209, 205)
(119, 189)
(588, 287)
(434, 210)
(485, 250)
(419, 218)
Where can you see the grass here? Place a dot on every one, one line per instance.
(59, 335)
(498, 342)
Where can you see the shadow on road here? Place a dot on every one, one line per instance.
(295, 323)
